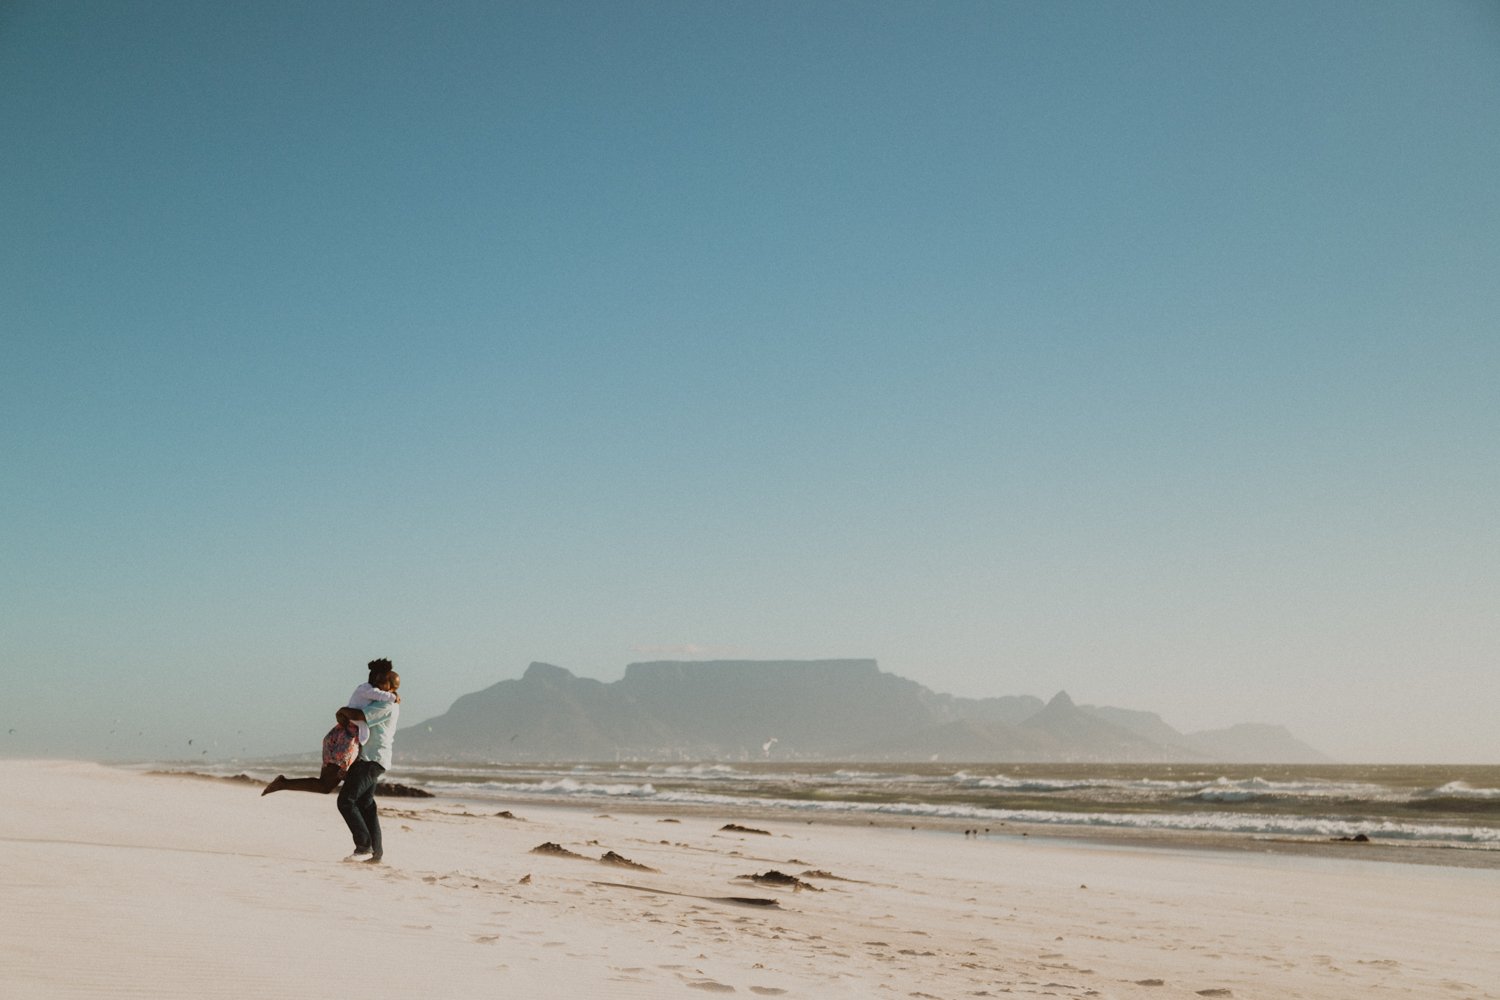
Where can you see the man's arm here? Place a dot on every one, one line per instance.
(375, 712)
(369, 692)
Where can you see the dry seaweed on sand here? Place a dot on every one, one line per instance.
(607, 858)
(736, 828)
(392, 789)
(774, 877)
(826, 876)
(557, 851)
(611, 858)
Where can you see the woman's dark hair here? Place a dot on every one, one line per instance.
(379, 668)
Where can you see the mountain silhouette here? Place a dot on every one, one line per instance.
(804, 710)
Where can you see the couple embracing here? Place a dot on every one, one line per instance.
(356, 752)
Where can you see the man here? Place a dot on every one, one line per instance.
(357, 797)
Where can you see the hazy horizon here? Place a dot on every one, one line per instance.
(1143, 351)
(216, 746)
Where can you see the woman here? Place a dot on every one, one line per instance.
(341, 745)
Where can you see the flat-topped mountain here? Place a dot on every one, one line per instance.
(804, 710)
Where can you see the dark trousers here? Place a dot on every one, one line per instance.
(357, 804)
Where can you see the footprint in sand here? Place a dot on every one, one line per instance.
(767, 991)
(710, 986)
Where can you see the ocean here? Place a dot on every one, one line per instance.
(1454, 806)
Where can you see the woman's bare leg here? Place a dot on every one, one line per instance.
(324, 783)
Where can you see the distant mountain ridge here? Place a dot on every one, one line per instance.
(806, 710)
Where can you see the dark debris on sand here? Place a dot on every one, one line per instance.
(611, 858)
(557, 851)
(394, 790)
(736, 828)
(607, 858)
(774, 877)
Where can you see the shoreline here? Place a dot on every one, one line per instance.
(1413, 853)
(1438, 855)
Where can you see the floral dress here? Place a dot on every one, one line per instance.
(341, 747)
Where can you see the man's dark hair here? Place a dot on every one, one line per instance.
(379, 668)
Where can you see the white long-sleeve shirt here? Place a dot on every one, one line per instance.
(362, 696)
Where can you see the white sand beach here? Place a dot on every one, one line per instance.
(119, 884)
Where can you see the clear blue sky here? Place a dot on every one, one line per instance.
(1147, 351)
